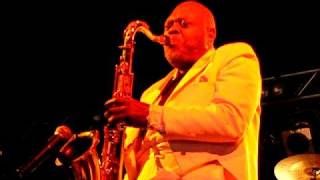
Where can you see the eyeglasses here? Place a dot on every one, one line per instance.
(182, 23)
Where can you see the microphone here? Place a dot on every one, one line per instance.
(61, 134)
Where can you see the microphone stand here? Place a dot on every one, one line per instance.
(36, 162)
(61, 134)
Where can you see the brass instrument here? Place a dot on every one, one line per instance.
(80, 151)
(88, 165)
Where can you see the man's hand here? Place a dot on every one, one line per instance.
(132, 111)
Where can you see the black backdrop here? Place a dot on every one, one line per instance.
(58, 60)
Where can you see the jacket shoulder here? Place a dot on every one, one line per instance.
(233, 50)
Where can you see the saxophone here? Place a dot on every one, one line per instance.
(87, 165)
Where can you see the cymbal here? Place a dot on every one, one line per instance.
(299, 167)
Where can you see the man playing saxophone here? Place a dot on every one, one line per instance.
(201, 121)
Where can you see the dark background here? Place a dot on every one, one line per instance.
(58, 60)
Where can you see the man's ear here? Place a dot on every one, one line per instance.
(212, 34)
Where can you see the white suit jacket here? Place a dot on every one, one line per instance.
(212, 114)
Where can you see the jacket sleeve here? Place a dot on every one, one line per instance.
(225, 118)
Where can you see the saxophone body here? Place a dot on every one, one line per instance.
(112, 151)
(87, 164)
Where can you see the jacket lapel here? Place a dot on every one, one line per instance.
(154, 95)
(193, 71)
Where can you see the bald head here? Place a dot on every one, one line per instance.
(191, 31)
(197, 9)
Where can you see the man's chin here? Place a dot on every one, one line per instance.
(176, 63)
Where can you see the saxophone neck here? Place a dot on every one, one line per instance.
(161, 39)
(143, 27)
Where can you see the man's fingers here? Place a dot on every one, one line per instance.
(114, 101)
(115, 117)
(117, 109)
(114, 110)
(115, 113)
(110, 102)
(106, 114)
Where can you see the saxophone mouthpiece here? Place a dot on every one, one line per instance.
(163, 40)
